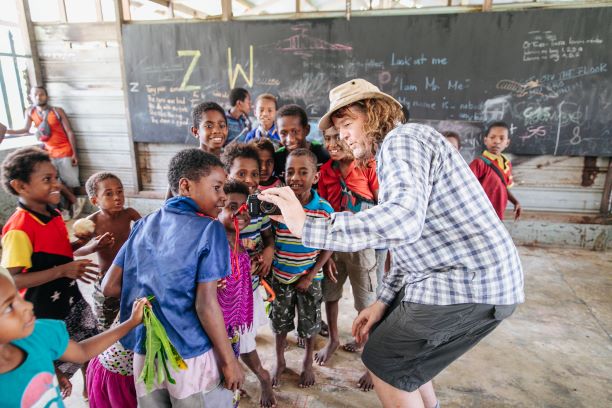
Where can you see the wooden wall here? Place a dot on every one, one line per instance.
(81, 69)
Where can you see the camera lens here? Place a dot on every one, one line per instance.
(266, 207)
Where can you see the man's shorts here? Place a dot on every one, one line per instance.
(308, 305)
(68, 173)
(359, 267)
(414, 342)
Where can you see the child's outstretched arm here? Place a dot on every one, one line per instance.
(95, 244)
(211, 318)
(87, 349)
(83, 270)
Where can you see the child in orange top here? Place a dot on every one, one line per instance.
(494, 170)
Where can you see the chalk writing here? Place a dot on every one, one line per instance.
(546, 45)
(234, 71)
(195, 54)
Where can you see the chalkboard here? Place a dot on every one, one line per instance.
(545, 72)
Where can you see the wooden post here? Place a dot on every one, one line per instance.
(604, 209)
(99, 16)
(127, 14)
(119, 21)
(226, 10)
(487, 5)
(62, 11)
(29, 42)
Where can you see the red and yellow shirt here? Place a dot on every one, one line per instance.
(37, 242)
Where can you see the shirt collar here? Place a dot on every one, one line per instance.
(500, 159)
(45, 219)
(182, 204)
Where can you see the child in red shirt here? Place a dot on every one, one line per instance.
(494, 170)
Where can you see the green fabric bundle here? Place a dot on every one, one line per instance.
(158, 347)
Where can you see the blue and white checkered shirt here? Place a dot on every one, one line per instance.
(447, 243)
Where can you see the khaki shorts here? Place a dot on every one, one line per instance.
(68, 173)
(358, 267)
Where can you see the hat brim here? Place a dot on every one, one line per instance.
(326, 122)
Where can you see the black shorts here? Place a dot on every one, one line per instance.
(414, 342)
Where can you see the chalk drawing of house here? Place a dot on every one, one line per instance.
(306, 45)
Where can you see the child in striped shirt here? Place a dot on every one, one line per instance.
(297, 270)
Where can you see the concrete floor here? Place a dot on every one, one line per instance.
(555, 351)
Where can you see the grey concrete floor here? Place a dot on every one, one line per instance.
(555, 351)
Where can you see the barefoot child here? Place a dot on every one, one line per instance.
(177, 254)
(105, 191)
(349, 185)
(235, 294)
(37, 251)
(267, 179)
(241, 163)
(209, 127)
(28, 348)
(297, 270)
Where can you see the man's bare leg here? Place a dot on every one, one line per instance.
(392, 397)
(428, 395)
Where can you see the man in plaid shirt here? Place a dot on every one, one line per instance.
(455, 272)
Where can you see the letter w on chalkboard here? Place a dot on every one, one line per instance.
(196, 56)
(233, 73)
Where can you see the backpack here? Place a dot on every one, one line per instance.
(350, 200)
(43, 130)
(495, 169)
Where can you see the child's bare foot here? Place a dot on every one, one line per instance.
(352, 347)
(323, 355)
(276, 373)
(307, 378)
(365, 382)
(267, 400)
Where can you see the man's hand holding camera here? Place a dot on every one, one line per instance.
(293, 215)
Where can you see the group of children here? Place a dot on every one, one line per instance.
(202, 259)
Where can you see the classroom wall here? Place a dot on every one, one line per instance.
(82, 71)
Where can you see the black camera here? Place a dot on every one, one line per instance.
(258, 207)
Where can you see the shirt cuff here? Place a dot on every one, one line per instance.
(315, 232)
(387, 294)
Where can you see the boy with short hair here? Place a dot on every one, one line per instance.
(105, 191)
(297, 270)
(265, 111)
(494, 170)
(238, 121)
(293, 128)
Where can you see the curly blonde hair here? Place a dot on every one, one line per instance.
(382, 116)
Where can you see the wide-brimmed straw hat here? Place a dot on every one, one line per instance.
(351, 92)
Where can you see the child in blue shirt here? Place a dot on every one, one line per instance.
(177, 254)
(28, 348)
